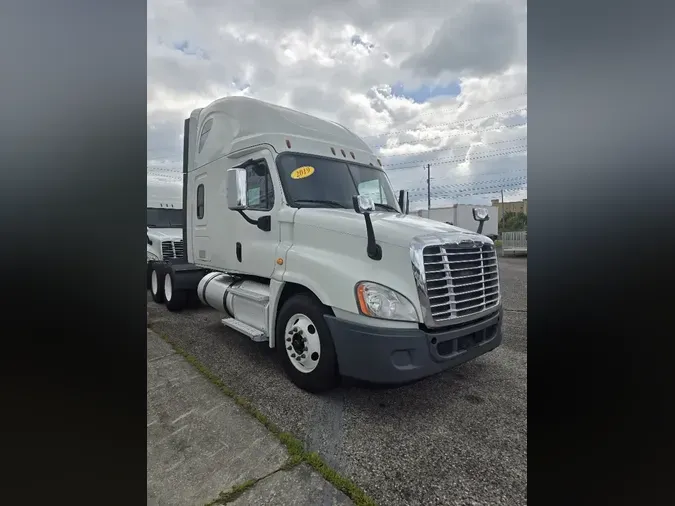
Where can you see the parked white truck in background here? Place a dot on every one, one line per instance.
(164, 217)
(293, 232)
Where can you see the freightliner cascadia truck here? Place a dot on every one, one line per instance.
(164, 216)
(292, 231)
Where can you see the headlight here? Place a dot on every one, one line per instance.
(152, 256)
(379, 301)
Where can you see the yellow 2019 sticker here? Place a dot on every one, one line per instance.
(302, 172)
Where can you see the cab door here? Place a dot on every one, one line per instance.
(255, 249)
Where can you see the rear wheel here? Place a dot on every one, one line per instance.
(175, 299)
(305, 344)
(157, 285)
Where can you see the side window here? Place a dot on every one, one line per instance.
(259, 187)
(205, 134)
(373, 189)
(200, 202)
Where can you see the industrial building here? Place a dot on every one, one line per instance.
(509, 207)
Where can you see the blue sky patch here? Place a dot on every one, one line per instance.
(424, 93)
(184, 47)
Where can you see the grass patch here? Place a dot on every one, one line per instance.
(296, 449)
(233, 493)
(498, 243)
(340, 482)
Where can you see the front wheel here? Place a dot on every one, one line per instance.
(305, 344)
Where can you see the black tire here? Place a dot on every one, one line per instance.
(158, 297)
(175, 300)
(193, 301)
(325, 376)
(148, 273)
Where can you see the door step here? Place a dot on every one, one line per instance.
(252, 333)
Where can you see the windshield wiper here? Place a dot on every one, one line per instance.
(331, 203)
(387, 206)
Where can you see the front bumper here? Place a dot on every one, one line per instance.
(390, 355)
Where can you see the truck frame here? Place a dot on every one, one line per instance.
(293, 232)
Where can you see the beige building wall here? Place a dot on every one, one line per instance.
(510, 207)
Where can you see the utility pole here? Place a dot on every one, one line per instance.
(502, 209)
(428, 190)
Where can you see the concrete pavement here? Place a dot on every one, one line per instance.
(201, 444)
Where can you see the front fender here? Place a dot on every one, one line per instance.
(332, 270)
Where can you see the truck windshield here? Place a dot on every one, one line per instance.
(310, 181)
(164, 218)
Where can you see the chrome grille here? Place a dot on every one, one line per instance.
(178, 248)
(172, 249)
(461, 280)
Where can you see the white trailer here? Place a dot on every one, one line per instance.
(292, 231)
(461, 215)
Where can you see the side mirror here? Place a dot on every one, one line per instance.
(480, 214)
(149, 240)
(404, 201)
(236, 189)
(363, 204)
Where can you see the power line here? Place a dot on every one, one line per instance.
(494, 115)
(452, 148)
(478, 186)
(449, 109)
(459, 158)
(441, 148)
(468, 132)
(467, 177)
(496, 154)
(487, 190)
(468, 186)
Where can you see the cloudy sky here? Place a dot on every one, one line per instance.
(422, 82)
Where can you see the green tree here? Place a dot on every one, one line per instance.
(513, 222)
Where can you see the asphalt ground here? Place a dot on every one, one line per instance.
(457, 438)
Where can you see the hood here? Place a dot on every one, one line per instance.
(390, 228)
(166, 234)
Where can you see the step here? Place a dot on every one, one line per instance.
(250, 332)
(247, 294)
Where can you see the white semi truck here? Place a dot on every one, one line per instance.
(292, 231)
(164, 216)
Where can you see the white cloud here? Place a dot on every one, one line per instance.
(341, 61)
